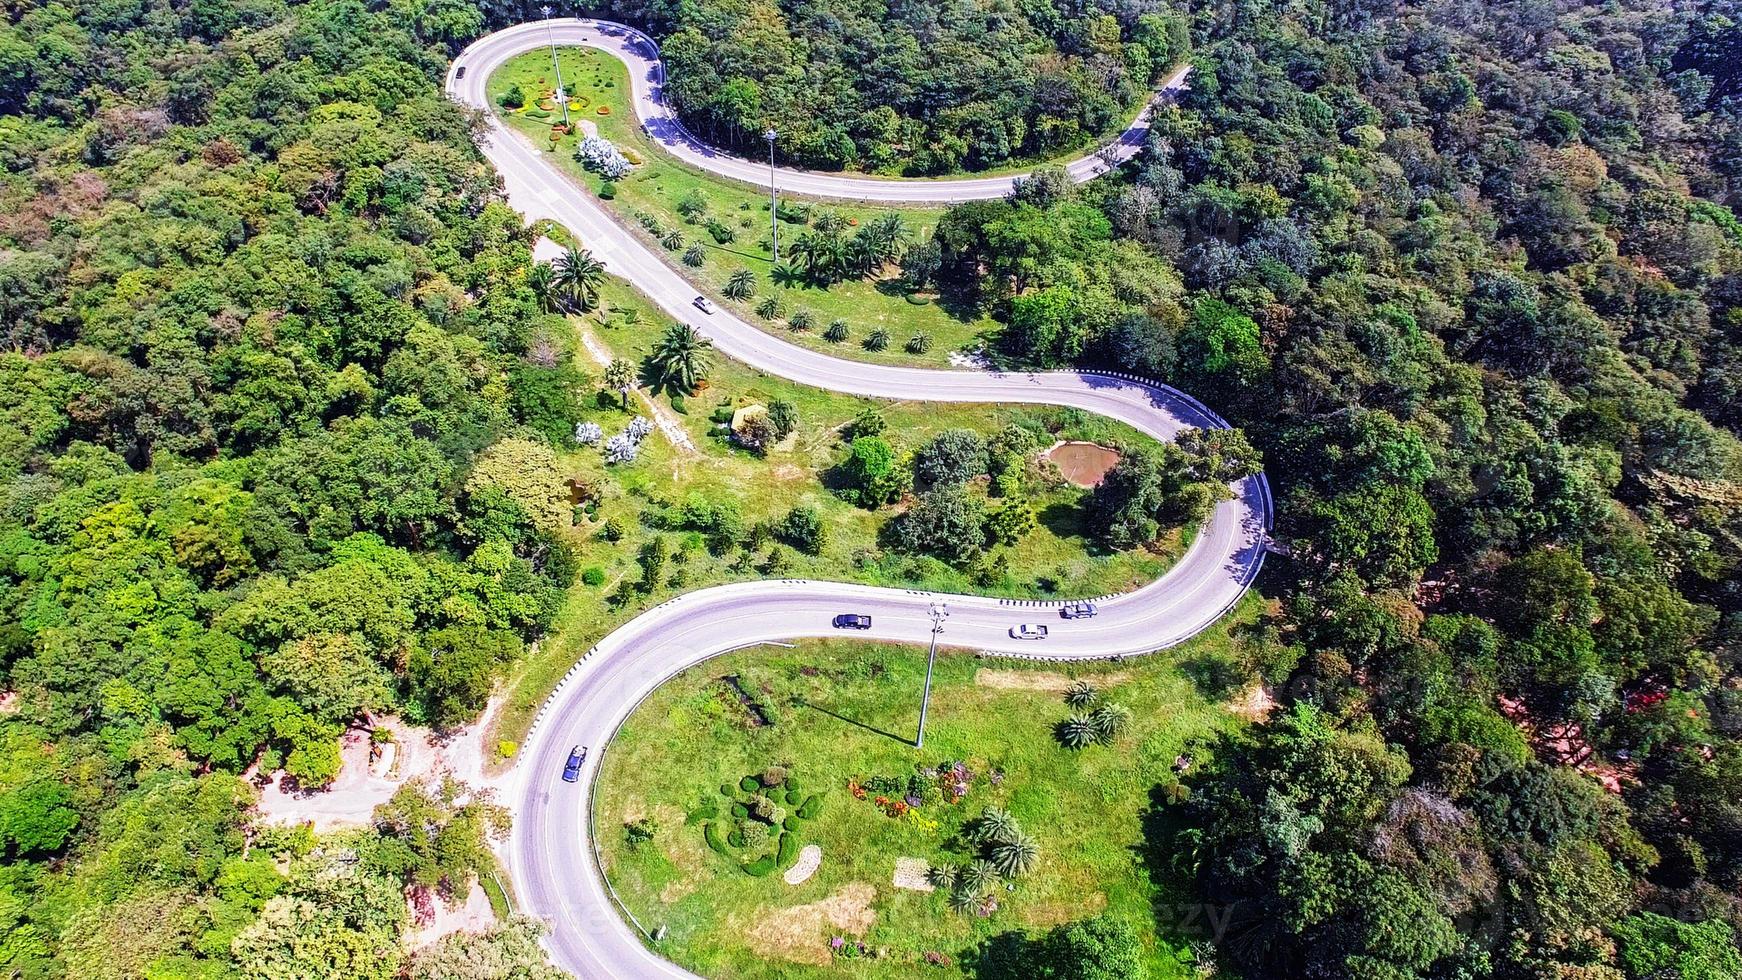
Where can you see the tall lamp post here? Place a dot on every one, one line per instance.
(550, 34)
(938, 612)
(773, 196)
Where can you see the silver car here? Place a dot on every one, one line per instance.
(1028, 631)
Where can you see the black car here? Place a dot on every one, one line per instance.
(572, 768)
(852, 621)
(460, 73)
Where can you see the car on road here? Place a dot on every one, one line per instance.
(459, 73)
(572, 768)
(704, 304)
(1028, 631)
(1077, 610)
(852, 621)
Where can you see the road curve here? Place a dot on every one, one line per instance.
(550, 849)
(647, 78)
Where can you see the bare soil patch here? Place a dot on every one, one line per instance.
(800, 934)
(1082, 463)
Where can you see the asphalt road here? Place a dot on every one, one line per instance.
(550, 850)
(647, 77)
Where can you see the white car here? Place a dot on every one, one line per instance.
(1028, 631)
(705, 305)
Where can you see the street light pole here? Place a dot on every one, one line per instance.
(550, 34)
(773, 197)
(938, 612)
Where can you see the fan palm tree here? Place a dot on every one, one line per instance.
(1109, 720)
(579, 276)
(994, 825)
(680, 360)
(741, 285)
(1075, 732)
(879, 340)
(541, 279)
(889, 236)
(1015, 855)
(1081, 694)
(836, 332)
(620, 377)
(919, 343)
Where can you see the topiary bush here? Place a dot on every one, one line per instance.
(794, 797)
(726, 789)
(716, 843)
(792, 783)
(786, 850)
(740, 810)
(812, 806)
(761, 867)
(749, 784)
(707, 811)
(773, 776)
(790, 824)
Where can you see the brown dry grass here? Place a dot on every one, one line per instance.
(1040, 680)
(800, 933)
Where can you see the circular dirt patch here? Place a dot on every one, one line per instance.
(1083, 463)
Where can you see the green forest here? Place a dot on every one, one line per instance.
(1467, 274)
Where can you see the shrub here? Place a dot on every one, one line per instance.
(836, 332)
(761, 867)
(1075, 732)
(1109, 720)
(879, 340)
(763, 808)
(726, 790)
(717, 844)
(804, 530)
(811, 807)
(598, 155)
(514, 98)
(952, 456)
(769, 308)
(594, 576)
(672, 240)
(800, 320)
(639, 832)
(608, 190)
(790, 823)
(755, 834)
(794, 797)
(1081, 694)
(748, 784)
(786, 849)
(773, 776)
(740, 811)
(694, 256)
(722, 233)
(792, 785)
(707, 811)
(919, 343)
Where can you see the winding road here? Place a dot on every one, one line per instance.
(647, 79)
(550, 849)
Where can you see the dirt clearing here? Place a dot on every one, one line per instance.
(800, 934)
(1040, 680)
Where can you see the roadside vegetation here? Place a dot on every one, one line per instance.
(1007, 831)
(718, 231)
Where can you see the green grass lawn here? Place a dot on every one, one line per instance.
(1056, 560)
(843, 711)
(653, 191)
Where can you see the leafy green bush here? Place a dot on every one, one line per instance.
(792, 785)
(786, 850)
(794, 797)
(812, 806)
(740, 810)
(711, 831)
(593, 576)
(608, 190)
(761, 867)
(726, 789)
(749, 784)
(790, 823)
(707, 811)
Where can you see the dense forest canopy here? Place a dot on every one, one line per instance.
(913, 88)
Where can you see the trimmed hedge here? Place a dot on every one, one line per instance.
(760, 867)
(794, 797)
(792, 783)
(812, 806)
(711, 831)
(749, 784)
(786, 850)
(735, 838)
(707, 811)
(740, 811)
(726, 789)
(790, 823)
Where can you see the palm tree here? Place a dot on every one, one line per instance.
(1075, 732)
(836, 332)
(579, 276)
(1081, 694)
(800, 320)
(1109, 720)
(541, 279)
(994, 825)
(742, 285)
(962, 900)
(680, 361)
(942, 876)
(1015, 855)
(769, 308)
(620, 376)
(919, 343)
(889, 236)
(879, 340)
(694, 256)
(977, 876)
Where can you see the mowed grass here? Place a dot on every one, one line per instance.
(594, 79)
(844, 710)
(1056, 560)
